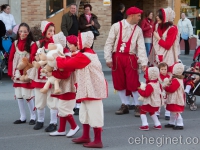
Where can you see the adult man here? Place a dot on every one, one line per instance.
(185, 28)
(69, 25)
(125, 40)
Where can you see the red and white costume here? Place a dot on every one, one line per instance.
(67, 100)
(125, 47)
(152, 98)
(176, 96)
(91, 88)
(167, 48)
(23, 90)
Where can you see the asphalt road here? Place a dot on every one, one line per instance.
(119, 132)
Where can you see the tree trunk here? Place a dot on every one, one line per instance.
(78, 4)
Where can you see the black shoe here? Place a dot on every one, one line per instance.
(38, 126)
(131, 107)
(167, 117)
(178, 128)
(76, 111)
(32, 122)
(169, 126)
(19, 122)
(158, 116)
(52, 127)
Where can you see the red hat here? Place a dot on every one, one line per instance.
(72, 39)
(44, 26)
(133, 10)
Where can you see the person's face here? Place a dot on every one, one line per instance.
(23, 32)
(72, 47)
(7, 10)
(50, 31)
(73, 9)
(182, 16)
(163, 70)
(196, 69)
(123, 9)
(150, 16)
(135, 18)
(158, 19)
(87, 10)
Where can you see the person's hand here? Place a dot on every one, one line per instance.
(144, 68)
(109, 64)
(156, 35)
(150, 26)
(49, 74)
(88, 25)
(92, 22)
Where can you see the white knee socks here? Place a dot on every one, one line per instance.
(41, 114)
(158, 112)
(187, 88)
(53, 116)
(22, 111)
(144, 120)
(123, 97)
(155, 119)
(31, 109)
(179, 120)
(135, 96)
(172, 119)
(167, 113)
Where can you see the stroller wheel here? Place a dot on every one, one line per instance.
(193, 107)
(188, 97)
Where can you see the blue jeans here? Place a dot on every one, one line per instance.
(148, 47)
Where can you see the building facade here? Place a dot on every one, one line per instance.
(34, 11)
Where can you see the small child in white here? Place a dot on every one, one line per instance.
(152, 98)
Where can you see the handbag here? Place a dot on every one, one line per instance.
(184, 36)
(94, 30)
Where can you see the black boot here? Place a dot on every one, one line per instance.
(38, 126)
(32, 122)
(76, 111)
(52, 127)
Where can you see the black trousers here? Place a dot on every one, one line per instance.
(187, 46)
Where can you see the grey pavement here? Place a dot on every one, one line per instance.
(116, 132)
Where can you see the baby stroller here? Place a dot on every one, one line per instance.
(191, 97)
(4, 55)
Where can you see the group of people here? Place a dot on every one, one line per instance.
(125, 50)
(127, 47)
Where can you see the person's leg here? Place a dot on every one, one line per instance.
(145, 125)
(137, 103)
(148, 46)
(125, 100)
(157, 124)
(179, 122)
(187, 89)
(172, 120)
(187, 47)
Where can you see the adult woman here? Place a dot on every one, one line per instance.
(2, 33)
(147, 28)
(7, 19)
(88, 20)
(165, 39)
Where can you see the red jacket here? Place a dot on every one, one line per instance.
(147, 30)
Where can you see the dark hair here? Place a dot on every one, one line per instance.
(147, 13)
(121, 6)
(30, 38)
(43, 41)
(4, 6)
(166, 24)
(73, 4)
(88, 5)
(162, 64)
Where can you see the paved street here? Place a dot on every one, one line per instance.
(116, 132)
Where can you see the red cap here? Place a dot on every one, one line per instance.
(133, 10)
(72, 39)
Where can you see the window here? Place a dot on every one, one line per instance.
(70, 2)
(53, 6)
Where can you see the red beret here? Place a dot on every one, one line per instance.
(133, 10)
(72, 39)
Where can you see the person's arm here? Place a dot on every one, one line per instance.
(141, 50)
(147, 92)
(2, 29)
(173, 86)
(79, 61)
(170, 39)
(10, 60)
(109, 45)
(145, 27)
(64, 25)
(96, 23)
(190, 27)
(13, 21)
(81, 23)
(34, 49)
(61, 74)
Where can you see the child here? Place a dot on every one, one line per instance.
(67, 99)
(190, 83)
(92, 88)
(22, 47)
(43, 100)
(176, 98)
(163, 68)
(152, 98)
